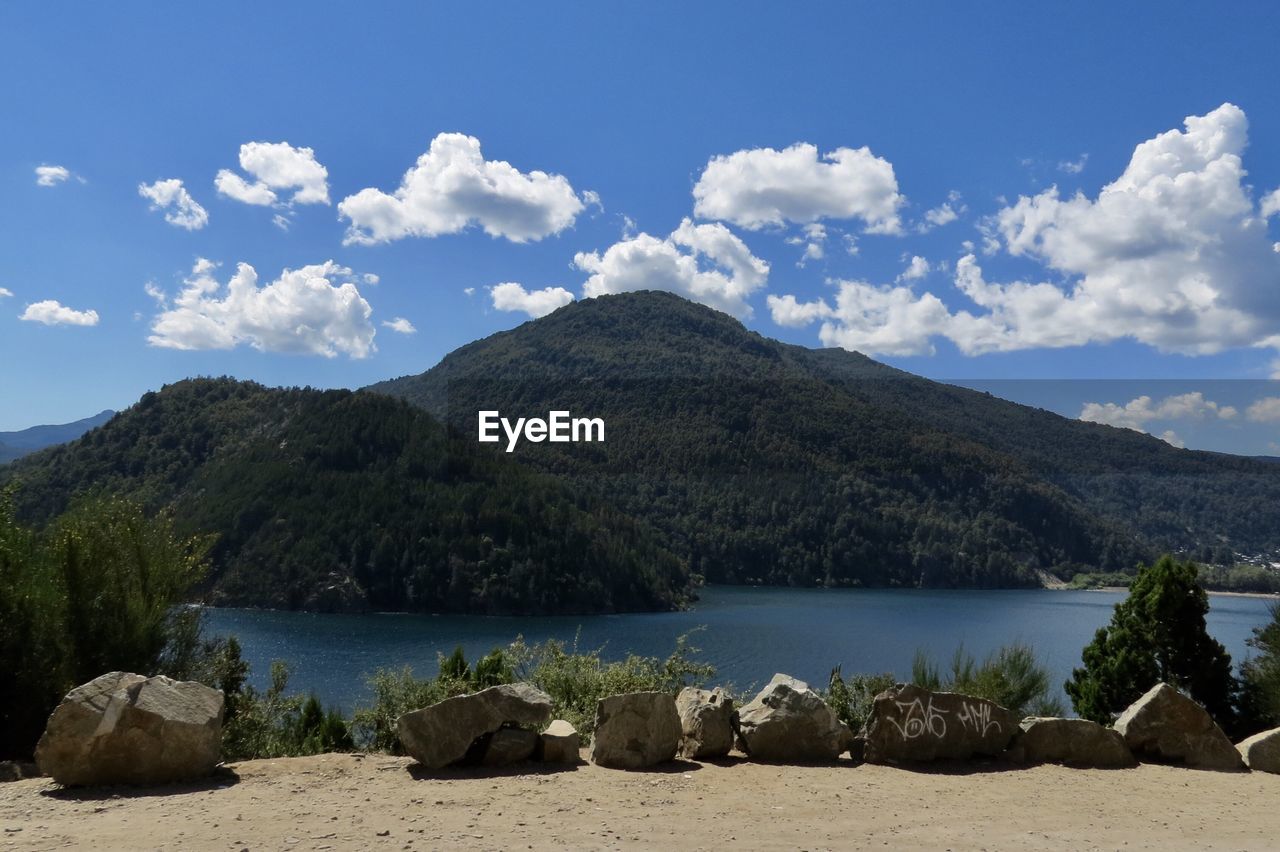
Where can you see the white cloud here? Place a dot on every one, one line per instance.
(275, 167)
(706, 263)
(1270, 204)
(5, 293)
(1171, 437)
(1265, 410)
(281, 221)
(399, 325)
(870, 319)
(180, 209)
(944, 214)
(300, 312)
(1143, 410)
(1074, 167)
(814, 242)
(51, 312)
(916, 269)
(1173, 253)
(763, 186)
(451, 187)
(536, 303)
(52, 175)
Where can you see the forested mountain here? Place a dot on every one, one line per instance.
(17, 444)
(765, 462)
(339, 500)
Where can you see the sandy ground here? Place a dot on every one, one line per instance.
(379, 802)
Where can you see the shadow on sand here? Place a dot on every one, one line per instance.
(221, 778)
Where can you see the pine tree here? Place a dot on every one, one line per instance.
(1156, 634)
(1260, 676)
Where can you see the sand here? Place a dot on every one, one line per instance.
(380, 802)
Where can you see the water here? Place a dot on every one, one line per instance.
(750, 633)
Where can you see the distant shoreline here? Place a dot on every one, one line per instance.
(1266, 595)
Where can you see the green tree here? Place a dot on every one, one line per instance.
(1260, 679)
(1156, 634)
(1011, 677)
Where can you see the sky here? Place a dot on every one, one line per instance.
(1071, 206)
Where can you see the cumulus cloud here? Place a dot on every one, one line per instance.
(944, 214)
(5, 293)
(1271, 204)
(52, 175)
(762, 186)
(275, 168)
(1171, 437)
(180, 209)
(916, 269)
(451, 187)
(1265, 410)
(536, 303)
(399, 325)
(303, 312)
(706, 263)
(1138, 413)
(868, 318)
(52, 312)
(1174, 253)
(814, 240)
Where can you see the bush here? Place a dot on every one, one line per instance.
(272, 724)
(94, 592)
(577, 680)
(1011, 677)
(852, 699)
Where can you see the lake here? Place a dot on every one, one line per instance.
(749, 634)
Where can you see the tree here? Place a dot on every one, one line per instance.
(1156, 634)
(1260, 679)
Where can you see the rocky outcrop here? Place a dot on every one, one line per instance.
(510, 745)
(1261, 752)
(790, 723)
(1166, 726)
(708, 722)
(911, 724)
(635, 730)
(559, 743)
(442, 734)
(124, 728)
(1073, 742)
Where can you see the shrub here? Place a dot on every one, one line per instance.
(1260, 678)
(1011, 677)
(273, 724)
(852, 699)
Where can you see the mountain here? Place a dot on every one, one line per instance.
(334, 500)
(14, 445)
(765, 462)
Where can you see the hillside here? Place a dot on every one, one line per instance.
(336, 500)
(766, 462)
(14, 445)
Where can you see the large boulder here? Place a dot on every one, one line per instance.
(635, 730)
(124, 728)
(909, 723)
(559, 743)
(1073, 742)
(790, 723)
(441, 734)
(1261, 752)
(1166, 726)
(707, 722)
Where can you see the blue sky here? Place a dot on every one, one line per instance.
(565, 146)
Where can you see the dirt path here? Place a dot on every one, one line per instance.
(378, 802)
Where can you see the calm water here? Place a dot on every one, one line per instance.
(750, 633)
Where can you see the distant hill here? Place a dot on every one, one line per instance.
(766, 462)
(334, 500)
(14, 445)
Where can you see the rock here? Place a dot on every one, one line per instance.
(910, 723)
(559, 743)
(790, 723)
(1073, 742)
(510, 745)
(1166, 726)
(124, 728)
(441, 734)
(16, 770)
(1261, 752)
(707, 722)
(635, 730)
